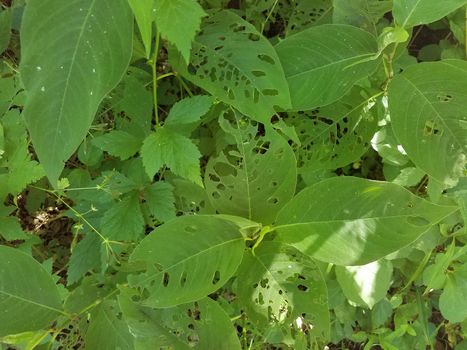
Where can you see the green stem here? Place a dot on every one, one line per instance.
(154, 78)
(264, 231)
(268, 16)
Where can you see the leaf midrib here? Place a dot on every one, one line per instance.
(180, 262)
(32, 302)
(70, 70)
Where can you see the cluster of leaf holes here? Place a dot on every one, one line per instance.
(317, 132)
(221, 169)
(223, 71)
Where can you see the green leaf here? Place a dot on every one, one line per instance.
(177, 152)
(186, 259)
(256, 177)
(118, 144)
(322, 63)
(29, 298)
(354, 221)
(124, 220)
(5, 29)
(410, 13)
(365, 285)
(424, 102)
(199, 325)
(236, 64)
(186, 114)
(453, 300)
(73, 54)
(278, 284)
(178, 22)
(144, 15)
(107, 330)
(160, 201)
(10, 229)
(85, 256)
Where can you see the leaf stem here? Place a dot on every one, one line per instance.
(268, 16)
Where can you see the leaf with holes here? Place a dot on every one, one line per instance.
(409, 13)
(73, 53)
(354, 221)
(29, 298)
(235, 63)
(178, 22)
(426, 103)
(107, 330)
(186, 259)
(306, 14)
(279, 287)
(335, 135)
(322, 63)
(199, 325)
(253, 178)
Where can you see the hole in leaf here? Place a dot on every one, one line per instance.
(302, 288)
(273, 200)
(266, 58)
(216, 278)
(444, 97)
(183, 279)
(258, 73)
(166, 279)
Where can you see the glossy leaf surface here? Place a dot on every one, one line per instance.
(353, 221)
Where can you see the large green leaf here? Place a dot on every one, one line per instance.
(409, 13)
(73, 54)
(107, 330)
(178, 22)
(186, 259)
(279, 285)
(29, 298)
(322, 63)
(425, 102)
(199, 325)
(253, 178)
(353, 221)
(235, 63)
(453, 299)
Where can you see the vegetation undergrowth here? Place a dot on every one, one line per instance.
(245, 174)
